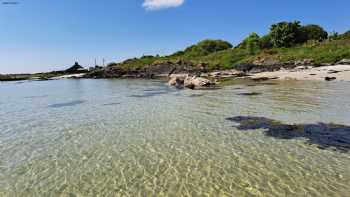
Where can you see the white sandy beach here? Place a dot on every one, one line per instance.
(340, 72)
(79, 75)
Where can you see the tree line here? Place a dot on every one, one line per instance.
(289, 34)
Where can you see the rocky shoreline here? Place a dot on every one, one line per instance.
(168, 68)
(186, 75)
(183, 74)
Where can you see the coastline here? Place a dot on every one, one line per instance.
(300, 73)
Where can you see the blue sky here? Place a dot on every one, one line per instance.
(37, 35)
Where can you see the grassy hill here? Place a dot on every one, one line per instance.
(285, 42)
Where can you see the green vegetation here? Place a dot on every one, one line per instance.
(285, 34)
(337, 36)
(251, 43)
(19, 77)
(319, 52)
(286, 41)
(37, 76)
(206, 47)
(313, 32)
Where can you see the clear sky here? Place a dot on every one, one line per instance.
(45, 35)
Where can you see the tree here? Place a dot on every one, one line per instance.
(285, 34)
(252, 43)
(313, 32)
(178, 53)
(346, 35)
(334, 36)
(266, 42)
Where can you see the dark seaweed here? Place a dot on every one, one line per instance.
(324, 135)
(250, 94)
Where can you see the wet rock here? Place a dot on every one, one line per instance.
(264, 78)
(193, 82)
(330, 78)
(178, 82)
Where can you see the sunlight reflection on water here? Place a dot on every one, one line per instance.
(140, 137)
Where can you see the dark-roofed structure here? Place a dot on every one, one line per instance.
(76, 68)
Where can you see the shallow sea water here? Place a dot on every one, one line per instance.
(143, 138)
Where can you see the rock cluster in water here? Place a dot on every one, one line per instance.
(191, 82)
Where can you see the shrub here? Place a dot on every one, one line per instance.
(346, 35)
(206, 47)
(178, 53)
(312, 32)
(285, 34)
(112, 64)
(252, 43)
(266, 42)
(334, 36)
(147, 56)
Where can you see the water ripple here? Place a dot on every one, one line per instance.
(67, 104)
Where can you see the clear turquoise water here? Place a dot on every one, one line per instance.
(143, 138)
